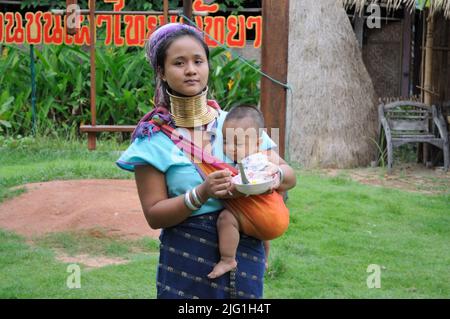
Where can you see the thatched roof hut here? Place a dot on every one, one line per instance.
(331, 122)
(431, 53)
(332, 116)
(436, 6)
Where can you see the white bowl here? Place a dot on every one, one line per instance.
(252, 188)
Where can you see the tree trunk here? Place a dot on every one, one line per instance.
(332, 119)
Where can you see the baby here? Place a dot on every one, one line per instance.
(242, 138)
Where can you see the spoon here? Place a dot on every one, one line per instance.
(241, 170)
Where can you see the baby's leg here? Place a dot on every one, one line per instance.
(228, 230)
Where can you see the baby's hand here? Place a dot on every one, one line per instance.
(273, 171)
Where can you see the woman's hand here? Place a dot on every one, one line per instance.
(216, 185)
(233, 192)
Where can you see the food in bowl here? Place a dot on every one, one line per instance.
(256, 170)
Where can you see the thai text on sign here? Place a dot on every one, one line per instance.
(130, 30)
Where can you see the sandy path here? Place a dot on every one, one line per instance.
(58, 206)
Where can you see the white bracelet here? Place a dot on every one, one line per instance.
(281, 174)
(196, 198)
(187, 201)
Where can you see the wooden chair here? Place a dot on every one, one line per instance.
(445, 111)
(404, 122)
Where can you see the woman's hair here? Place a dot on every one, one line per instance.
(156, 52)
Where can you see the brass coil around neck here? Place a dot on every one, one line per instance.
(191, 111)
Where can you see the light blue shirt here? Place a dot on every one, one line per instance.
(180, 173)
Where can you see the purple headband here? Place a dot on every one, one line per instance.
(161, 34)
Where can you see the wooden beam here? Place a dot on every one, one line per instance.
(106, 128)
(166, 11)
(187, 9)
(92, 138)
(274, 58)
(84, 12)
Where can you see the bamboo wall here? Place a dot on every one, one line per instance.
(441, 60)
(382, 55)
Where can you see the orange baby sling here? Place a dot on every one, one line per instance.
(261, 216)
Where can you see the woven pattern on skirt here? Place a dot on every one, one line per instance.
(189, 251)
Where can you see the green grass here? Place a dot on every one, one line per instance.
(32, 272)
(29, 160)
(338, 228)
(97, 242)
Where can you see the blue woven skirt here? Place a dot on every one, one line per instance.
(189, 251)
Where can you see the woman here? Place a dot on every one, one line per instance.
(173, 194)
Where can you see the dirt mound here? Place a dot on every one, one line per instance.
(58, 206)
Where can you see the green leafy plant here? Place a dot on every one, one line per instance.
(236, 5)
(124, 88)
(136, 5)
(124, 82)
(232, 81)
(5, 105)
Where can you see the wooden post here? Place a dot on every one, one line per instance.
(422, 60)
(428, 72)
(406, 61)
(187, 10)
(274, 58)
(429, 61)
(444, 64)
(420, 147)
(92, 136)
(417, 54)
(166, 11)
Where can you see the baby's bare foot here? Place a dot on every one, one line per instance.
(224, 266)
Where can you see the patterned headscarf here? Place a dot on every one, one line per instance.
(158, 37)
